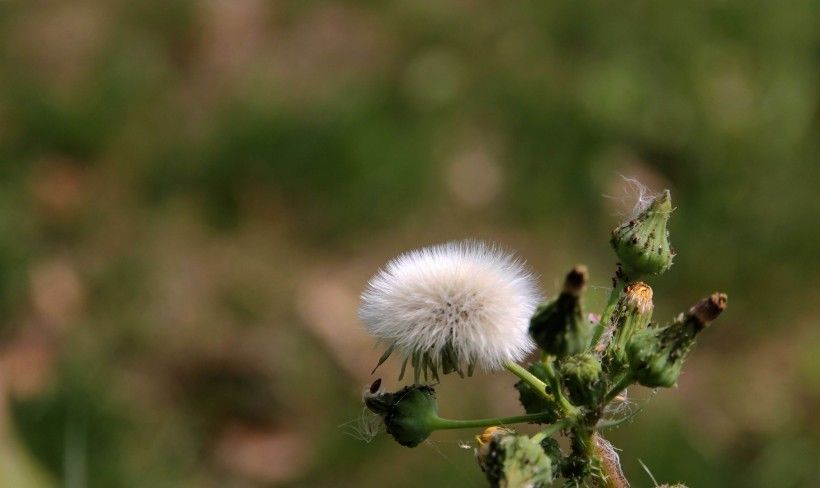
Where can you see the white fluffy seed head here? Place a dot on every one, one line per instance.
(451, 305)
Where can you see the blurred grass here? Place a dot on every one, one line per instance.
(192, 194)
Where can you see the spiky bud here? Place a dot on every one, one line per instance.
(581, 375)
(511, 460)
(642, 243)
(409, 414)
(633, 313)
(559, 327)
(532, 401)
(656, 355)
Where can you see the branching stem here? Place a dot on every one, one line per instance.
(567, 407)
(606, 316)
(539, 386)
(445, 424)
(624, 381)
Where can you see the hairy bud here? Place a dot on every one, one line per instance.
(656, 355)
(512, 460)
(633, 313)
(642, 243)
(581, 375)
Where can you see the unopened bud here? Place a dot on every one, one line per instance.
(633, 313)
(656, 355)
(581, 375)
(708, 309)
(652, 364)
(512, 460)
(642, 244)
(559, 327)
(409, 414)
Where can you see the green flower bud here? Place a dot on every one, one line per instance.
(633, 312)
(656, 355)
(409, 415)
(559, 327)
(581, 375)
(652, 365)
(511, 460)
(642, 244)
(531, 400)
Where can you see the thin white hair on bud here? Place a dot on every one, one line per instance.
(610, 462)
(365, 427)
(466, 303)
(641, 194)
(636, 195)
(646, 468)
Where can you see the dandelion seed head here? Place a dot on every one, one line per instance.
(453, 305)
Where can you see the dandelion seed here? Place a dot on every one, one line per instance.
(451, 307)
(363, 428)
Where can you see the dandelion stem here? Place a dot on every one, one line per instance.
(444, 424)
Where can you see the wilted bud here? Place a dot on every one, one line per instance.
(409, 414)
(559, 327)
(656, 355)
(633, 313)
(532, 401)
(610, 463)
(581, 375)
(642, 244)
(511, 460)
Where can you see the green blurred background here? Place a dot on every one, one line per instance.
(193, 194)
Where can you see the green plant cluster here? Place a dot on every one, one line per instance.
(586, 364)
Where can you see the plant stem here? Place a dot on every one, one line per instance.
(444, 424)
(624, 381)
(539, 386)
(606, 316)
(555, 384)
(551, 429)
